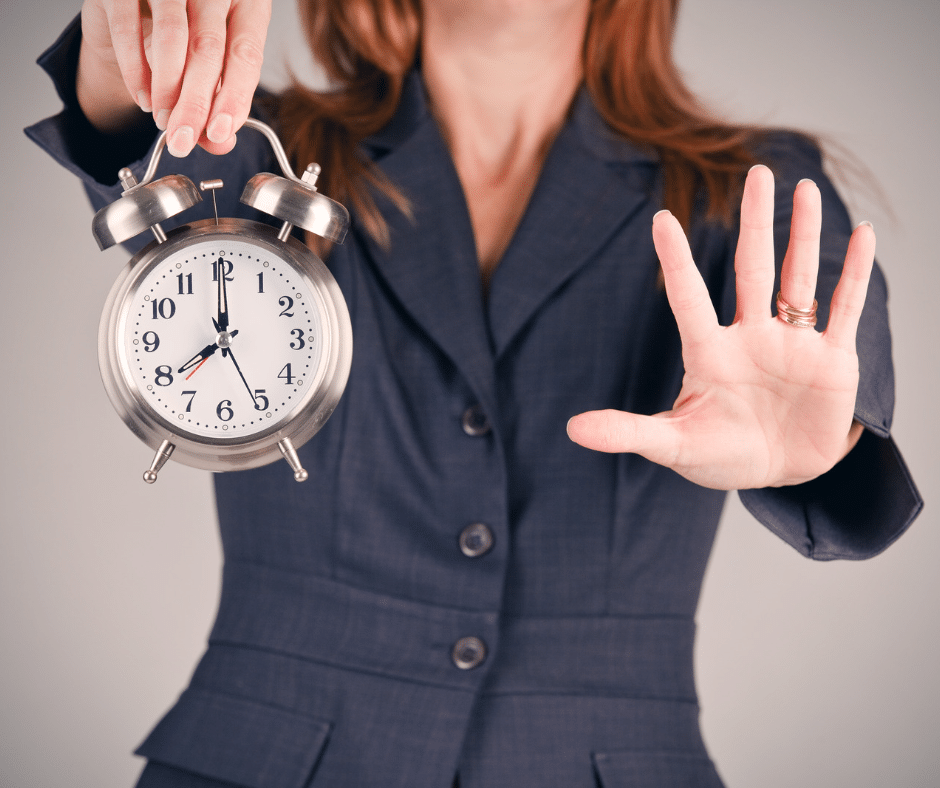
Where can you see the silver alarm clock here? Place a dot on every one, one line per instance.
(224, 343)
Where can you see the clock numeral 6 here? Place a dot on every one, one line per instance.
(224, 410)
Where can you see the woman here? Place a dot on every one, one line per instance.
(459, 589)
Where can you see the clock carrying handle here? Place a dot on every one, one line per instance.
(294, 200)
(251, 123)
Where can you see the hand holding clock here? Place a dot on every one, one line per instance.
(194, 65)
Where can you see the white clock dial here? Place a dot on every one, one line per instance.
(229, 362)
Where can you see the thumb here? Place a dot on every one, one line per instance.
(618, 431)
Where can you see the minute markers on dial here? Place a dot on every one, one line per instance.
(280, 352)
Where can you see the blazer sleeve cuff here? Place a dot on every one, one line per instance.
(71, 140)
(854, 511)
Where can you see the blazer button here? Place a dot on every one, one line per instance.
(468, 653)
(476, 540)
(475, 422)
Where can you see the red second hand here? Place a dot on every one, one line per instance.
(197, 367)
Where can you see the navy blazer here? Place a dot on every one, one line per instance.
(458, 587)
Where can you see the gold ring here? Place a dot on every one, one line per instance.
(803, 318)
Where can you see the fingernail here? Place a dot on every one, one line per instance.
(220, 129)
(807, 180)
(143, 101)
(659, 213)
(181, 143)
(162, 118)
(866, 223)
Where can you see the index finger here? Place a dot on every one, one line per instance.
(685, 288)
(848, 300)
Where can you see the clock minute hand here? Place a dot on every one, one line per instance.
(222, 321)
(231, 355)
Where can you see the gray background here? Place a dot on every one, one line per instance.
(810, 674)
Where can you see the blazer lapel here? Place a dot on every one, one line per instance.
(582, 197)
(431, 266)
(588, 188)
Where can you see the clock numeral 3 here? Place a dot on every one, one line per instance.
(299, 343)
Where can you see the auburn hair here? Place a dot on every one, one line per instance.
(367, 47)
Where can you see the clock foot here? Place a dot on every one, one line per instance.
(159, 460)
(290, 454)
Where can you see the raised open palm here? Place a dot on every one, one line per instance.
(763, 403)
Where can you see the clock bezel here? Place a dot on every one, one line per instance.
(238, 452)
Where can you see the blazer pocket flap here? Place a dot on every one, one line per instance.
(237, 740)
(638, 769)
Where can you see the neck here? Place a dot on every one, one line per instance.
(501, 75)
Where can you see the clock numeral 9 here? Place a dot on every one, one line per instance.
(163, 373)
(151, 341)
(224, 410)
(164, 308)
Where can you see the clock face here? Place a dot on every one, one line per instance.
(222, 338)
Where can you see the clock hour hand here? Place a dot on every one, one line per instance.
(202, 355)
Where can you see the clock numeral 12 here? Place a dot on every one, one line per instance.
(229, 267)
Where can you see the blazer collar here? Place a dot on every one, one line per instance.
(587, 190)
(589, 127)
